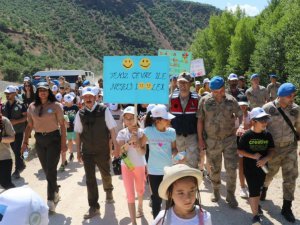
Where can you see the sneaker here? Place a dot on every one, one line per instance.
(244, 193)
(71, 157)
(61, 168)
(109, 197)
(22, 168)
(91, 213)
(215, 197)
(51, 206)
(66, 163)
(16, 174)
(256, 220)
(231, 200)
(260, 212)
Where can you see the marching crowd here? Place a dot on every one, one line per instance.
(173, 147)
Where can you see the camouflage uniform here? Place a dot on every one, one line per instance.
(257, 98)
(272, 90)
(285, 155)
(219, 129)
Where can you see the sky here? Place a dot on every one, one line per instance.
(252, 8)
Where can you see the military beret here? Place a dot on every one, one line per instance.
(254, 76)
(286, 89)
(216, 83)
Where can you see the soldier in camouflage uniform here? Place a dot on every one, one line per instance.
(257, 95)
(285, 155)
(272, 87)
(217, 112)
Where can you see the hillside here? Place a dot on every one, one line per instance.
(72, 34)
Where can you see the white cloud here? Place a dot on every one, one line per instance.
(249, 9)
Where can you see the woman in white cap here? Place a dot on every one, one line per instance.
(257, 147)
(180, 188)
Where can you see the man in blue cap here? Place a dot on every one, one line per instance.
(257, 95)
(216, 114)
(285, 138)
(273, 87)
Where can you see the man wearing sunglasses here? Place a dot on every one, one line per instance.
(284, 127)
(15, 111)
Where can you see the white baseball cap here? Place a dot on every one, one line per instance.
(129, 110)
(206, 80)
(197, 82)
(96, 90)
(54, 88)
(10, 89)
(150, 107)
(22, 206)
(26, 79)
(68, 98)
(73, 94)
(58, 97)
(161, 111)
(88, 91)
(257, 113)
(113, 106)
(233, 76)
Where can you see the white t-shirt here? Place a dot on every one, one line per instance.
(135, 157)
(109, 120)
(175, 220)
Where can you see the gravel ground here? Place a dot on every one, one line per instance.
(74, 204)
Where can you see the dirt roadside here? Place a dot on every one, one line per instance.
(74, 204)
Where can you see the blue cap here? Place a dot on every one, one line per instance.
(216, 83)
(86, 83)
(273, 75)
(254, 76)
(286, 89)
(56, 82)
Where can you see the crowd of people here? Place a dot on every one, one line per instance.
(172, 147)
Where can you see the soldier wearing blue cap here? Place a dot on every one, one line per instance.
(273, 87)
(216, 114)
(285, 155)
(257, 95)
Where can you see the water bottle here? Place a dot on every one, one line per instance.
(265, 169)
(179, 156)
(25, 154)
(127, 161)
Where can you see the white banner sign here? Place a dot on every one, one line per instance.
(197, 68)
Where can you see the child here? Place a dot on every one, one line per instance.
(243, 127)
(256, 146)
(180, 187)
(162, 142)
(70, 110)
(129, 139)
(117, 113)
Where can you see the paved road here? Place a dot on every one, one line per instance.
(73, 205)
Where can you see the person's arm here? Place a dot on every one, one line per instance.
(249, 155)
(9, 132)
(261, 162)
(174, 148)
(63, 130)
(116, 151)
(21, 120)
(27, 133)
(200, 128)
(78, 147)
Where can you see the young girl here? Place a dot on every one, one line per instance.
(256, 146)
(180, 187)
(162, 142)
(243, 127)
(129, 138)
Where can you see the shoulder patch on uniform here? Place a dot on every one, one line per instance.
(294, 112)
(272, 110)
